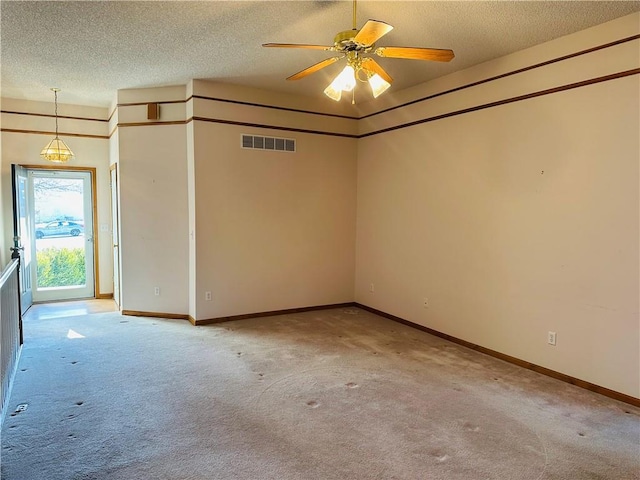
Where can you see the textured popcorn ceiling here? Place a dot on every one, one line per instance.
(90, 49)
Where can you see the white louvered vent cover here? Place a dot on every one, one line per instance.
(268, 143)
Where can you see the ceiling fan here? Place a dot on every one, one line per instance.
(356, 46)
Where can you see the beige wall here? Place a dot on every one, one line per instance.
(114, 161)
(24, 148)
(191, 202)
(153, 218)
(515, 220)
(152, 183)
(273, 230)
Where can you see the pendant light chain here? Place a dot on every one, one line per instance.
(56, 150)
(55, 93)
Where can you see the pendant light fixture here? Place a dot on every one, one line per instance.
(56, 150)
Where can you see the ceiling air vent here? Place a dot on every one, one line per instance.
(268, 143)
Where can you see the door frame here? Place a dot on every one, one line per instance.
(115, 232)
(94, 213)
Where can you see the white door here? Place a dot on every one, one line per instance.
(62, 240)
(115, 223)
(22, 232)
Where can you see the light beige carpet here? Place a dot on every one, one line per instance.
(333, 394)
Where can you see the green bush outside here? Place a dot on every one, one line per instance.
(61, 267)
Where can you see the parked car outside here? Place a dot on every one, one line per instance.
(60, 228)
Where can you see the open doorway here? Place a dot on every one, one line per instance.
(58, 234)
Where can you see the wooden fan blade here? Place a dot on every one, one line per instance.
(373, 66)
(372, 31)
(415, 53)
(313, 68)
(298, 45)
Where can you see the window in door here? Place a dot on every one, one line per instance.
(62, 243)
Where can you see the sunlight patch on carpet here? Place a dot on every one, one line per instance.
(74, 334)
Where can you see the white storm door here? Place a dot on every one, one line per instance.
(22, 232)
(62, 243)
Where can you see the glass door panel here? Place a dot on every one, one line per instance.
(22, 234)
(63, 235)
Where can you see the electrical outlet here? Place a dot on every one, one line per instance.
(156, 291)
(425, 302)
(372, 288)
(551, 338)
(207, 296)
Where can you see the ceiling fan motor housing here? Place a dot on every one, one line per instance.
(343, 42)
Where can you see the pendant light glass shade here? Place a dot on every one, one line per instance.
(56, 150)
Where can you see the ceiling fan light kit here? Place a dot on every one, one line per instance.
(332, 92)
(355, 45)
(378, 85)
(56, 150)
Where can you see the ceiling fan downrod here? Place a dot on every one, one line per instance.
(355, 25)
